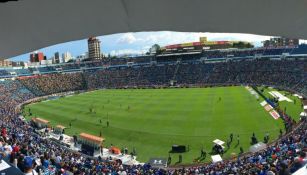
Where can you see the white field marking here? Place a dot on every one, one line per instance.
(280, 96)
(251, 91)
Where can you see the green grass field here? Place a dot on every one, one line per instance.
(152, 120)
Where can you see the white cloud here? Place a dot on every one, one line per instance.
(139, 39)
(146, 48)
(128, 52)
(127, 38)
(139, 43)
(165, 38)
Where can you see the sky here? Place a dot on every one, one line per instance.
(140, 42)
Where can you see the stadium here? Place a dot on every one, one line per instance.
(205, 107)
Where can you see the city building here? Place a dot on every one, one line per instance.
(81, 57)
(19, 64)
(56, 59)
(280, 41)
(62, 60)
(37, 57)
(94, 48)
(204, 44)
(52, 59)
(45, 62)
(66, 56)
(6, 63)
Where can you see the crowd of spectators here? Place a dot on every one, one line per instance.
(12, 93)
(282, 73)
(4, 73)
(54, 83)
(31, 153)
(247, 52)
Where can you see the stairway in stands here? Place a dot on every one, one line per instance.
(176, 70)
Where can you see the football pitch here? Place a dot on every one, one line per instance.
(152, 120)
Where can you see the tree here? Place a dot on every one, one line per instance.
(239, 45)
(249, 45)
(155, 49)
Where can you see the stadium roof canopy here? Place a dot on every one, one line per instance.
(28, 25)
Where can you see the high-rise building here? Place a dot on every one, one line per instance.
(94, 48)
(56, 59)
(62, 60)
(37, 57)
(66, 56)
(6, 63)
(19, 64)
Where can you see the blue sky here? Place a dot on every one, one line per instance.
(138, 43)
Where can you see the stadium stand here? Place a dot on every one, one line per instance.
(19, 140)
(22, 72)
(53, 83)
(4, 73)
